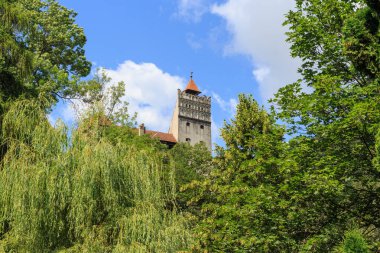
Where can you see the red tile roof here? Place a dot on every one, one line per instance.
(191, 86)
(162, 136)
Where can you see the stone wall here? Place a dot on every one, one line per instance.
(194, 119)
(191, 120)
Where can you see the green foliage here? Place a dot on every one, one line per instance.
(240, 209)
(41, 50)
(335, 120)
(353, 243)
(102, 96)
(129, 136)
(189, 163)
(267, 195)
(376, 160)
(105, 189)
(41, 54)
(83, 194)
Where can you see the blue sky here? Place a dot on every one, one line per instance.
(232, 46)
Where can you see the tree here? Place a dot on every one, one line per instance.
(334, 121)
(87, 191)
(82, 192)
(41, 51)
(103, 97)
(241, 210)
(266, 195)
(189, 163)
(41, 54)
(354, 243)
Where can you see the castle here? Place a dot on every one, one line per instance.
(191, 121)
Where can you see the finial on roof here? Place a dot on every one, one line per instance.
(191, 86)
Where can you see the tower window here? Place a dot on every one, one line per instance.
(202, 127)
(188, 139)
(187, 123)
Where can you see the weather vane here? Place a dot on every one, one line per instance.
(191, 75)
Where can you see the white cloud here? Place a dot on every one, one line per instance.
(215, 133)
(192, 10)
(261, 73)
(150, 92)
(193, 42)
(51, 119)
(227, 106)
(68, 113)
(233, 104)
(257, 31)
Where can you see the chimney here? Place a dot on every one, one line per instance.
(141, 129)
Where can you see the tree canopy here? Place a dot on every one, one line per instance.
(41, 50)
(304, 194)
(310, 185)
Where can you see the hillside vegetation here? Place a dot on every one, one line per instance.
(310, 184)
(83, 193)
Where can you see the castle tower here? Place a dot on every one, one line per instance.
(191, 120)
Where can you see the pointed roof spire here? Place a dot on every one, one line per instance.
(192, 87)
